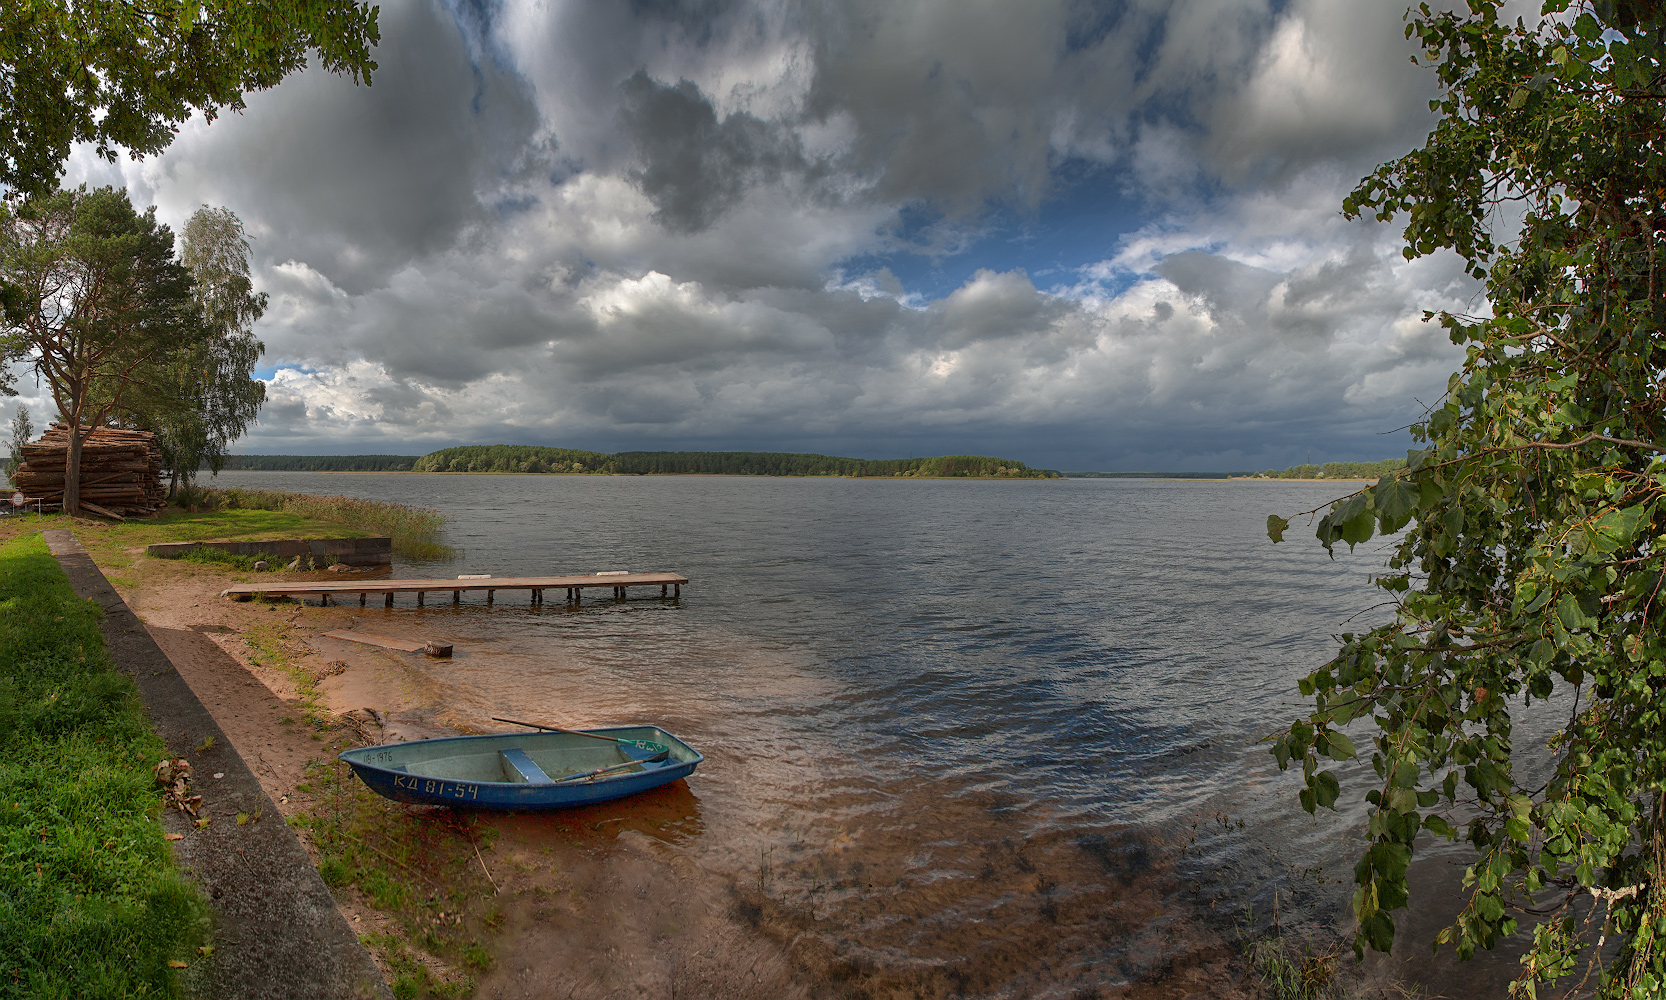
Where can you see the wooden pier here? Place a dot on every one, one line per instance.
(669, 584)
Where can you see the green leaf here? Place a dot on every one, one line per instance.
(1327, 534)
(1281, 752)
(1275, 527)
(1569, 613)
(1395, 500)
(1359, 528)
(1339, 746)
(1352, 507)
(1352, 520)
(1326, 789)
(1615, 529)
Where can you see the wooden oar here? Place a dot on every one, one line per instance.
(648, 745)
(598, 772)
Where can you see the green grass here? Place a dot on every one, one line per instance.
(232, 524)
(91, 904)
(220, 557)
(421, 867)
(415, 530)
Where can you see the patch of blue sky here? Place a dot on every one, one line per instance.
(269, 372)
(1083, 224)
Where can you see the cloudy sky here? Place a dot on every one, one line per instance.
(1085, 235)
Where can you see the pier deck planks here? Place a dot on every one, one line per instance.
(575, 585)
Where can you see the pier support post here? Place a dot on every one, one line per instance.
(537, 596)
(361, 599)
(662, 590)
(389, 602)
(456, 596)
(420, 596)
(323, 600)
(490, 594)
(679, 590)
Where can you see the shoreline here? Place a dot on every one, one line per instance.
(520, 893)
(266, 674)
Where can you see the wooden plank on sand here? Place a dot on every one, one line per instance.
(404, 645)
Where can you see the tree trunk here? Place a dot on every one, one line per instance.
(72, 473)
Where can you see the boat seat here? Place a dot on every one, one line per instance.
(516, 761)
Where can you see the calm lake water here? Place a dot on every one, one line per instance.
(984, 660)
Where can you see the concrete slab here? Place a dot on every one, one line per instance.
(277, 931)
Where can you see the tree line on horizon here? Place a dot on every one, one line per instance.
(542, 459)
(537, 458)
(1337, 470)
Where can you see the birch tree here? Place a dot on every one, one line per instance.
(213, 397)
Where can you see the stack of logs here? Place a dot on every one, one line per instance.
(121, 471)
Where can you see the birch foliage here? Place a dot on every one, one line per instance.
(1532, 533)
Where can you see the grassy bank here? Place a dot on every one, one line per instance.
(424, 868)
(415, 530)
(90, 901)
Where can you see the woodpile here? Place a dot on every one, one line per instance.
(121, 471)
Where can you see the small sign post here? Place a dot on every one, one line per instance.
(19, 499)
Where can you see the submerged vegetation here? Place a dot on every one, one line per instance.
(530, 458)
(92, 904)
(415, 530)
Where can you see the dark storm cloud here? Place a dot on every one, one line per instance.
(636, 224)
(358, 181)
(695, 165)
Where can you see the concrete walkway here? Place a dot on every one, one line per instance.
(277, 931)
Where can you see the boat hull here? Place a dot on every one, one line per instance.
(521, 771)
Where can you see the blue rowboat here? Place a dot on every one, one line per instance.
(540, 770)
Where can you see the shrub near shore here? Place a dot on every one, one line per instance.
(91, 903)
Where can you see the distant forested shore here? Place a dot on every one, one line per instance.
(1334, 470)
(1329, 470)
(536, 458)
(539, 459)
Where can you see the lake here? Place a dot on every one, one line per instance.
(892, 679)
